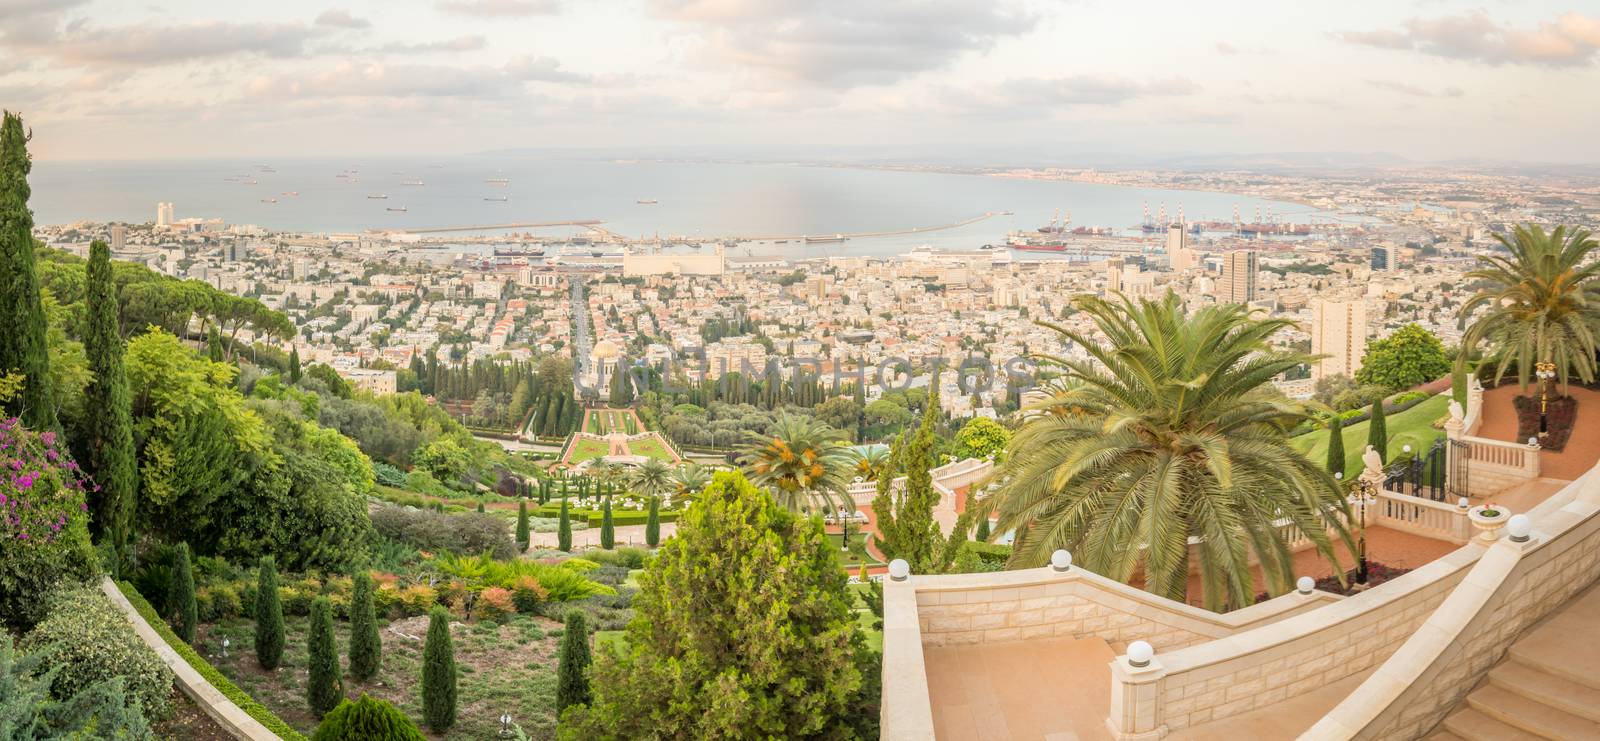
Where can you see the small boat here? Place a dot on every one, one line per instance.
(826, 240)
(497, 181)
(500, 199)
(269, 200)
(411, 182)
(378, 196)
(646, 201)
(397, 208)
(291, 192)
(249, 182)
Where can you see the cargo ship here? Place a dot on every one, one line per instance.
(401, 209)
(1036, 242)
(411, 182)
(835, 239)
(519, 252)
(378, 196)
(646, 202)
(495, 198)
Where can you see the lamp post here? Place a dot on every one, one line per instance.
(1363, 490)
(1546, 371)
(505, 725)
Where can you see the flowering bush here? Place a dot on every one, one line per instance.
(89, 641)
(495, 604)
(44, 535)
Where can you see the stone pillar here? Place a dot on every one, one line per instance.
(1136, 701)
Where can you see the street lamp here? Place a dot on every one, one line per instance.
(1547, 372)
(1363, 490)
(505, 725)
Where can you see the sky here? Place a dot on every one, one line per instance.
(1428, 80)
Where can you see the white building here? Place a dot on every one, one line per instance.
(1339, 331)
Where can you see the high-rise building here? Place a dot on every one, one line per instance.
(1383, 258)
(119, 237)
(1339, 331)
(1179, 256)
(164, 214)
(1239, 277)
(1113, 275)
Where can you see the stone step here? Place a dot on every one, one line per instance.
(1471, 725)
(1443, 736)
(1549, 689)
(1553, 652)
(1531, 716)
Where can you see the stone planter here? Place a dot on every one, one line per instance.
(1489, 521)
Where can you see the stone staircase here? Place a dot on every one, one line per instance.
(1548, 686)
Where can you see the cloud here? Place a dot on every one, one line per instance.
(458, 44)
(500, 8)
(1571, 40)
(382, 80)
(540, 69)
(1039, 96)
(78, 43)
(1417, 91)
(845, 43)
(341, 19)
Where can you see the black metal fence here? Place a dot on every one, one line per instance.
(1425, 475)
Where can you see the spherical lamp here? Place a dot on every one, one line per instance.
(1061, 560)
(1519, 527)
(1139, 654)
(1305, 584)
(899, 570)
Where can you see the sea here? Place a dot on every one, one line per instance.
(701, 201)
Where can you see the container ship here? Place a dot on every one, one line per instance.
(835, 239)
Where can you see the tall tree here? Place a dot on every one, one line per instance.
(180, 596)
(439, 673)
(564, 528)
(22, 322)
(1408, 357)
(269, 616)
(652, 526)
(572, 668)
(108, 422)
(772, 625)
(523, 537)
(1335, 444)
(1168, 432)
(294, 364)
(1543, 304)
(324, 686)
(803, 462)
(608, 533)
(366, 647)
(905, 519)
(1378, 431)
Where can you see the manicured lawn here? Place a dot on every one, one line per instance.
(632, 424)
(1413, 426)
(587, 449)
(592, 426)
(652, 448)
(857, 555)
(503, 669)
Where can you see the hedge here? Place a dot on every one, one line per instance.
(629, 517)
(239, 697)
(1395, 405)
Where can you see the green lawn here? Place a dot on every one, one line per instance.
(1413, 426)
(588, 449)
(592, 426)
(652, 448)
(857, 555)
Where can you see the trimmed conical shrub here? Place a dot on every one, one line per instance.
(439, 673)
(180, 598)
(983, 530)
(608, 532)
(564, 533)
(572, 682)
(269, 616)
(1336, 444)
(367, 719)
(366, 648)
(324, 687)
(1378, 432)
(522, 525)
(652, 526)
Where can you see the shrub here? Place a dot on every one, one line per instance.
(418, 599)
(44, 533)
(439, 673)
(435, 531)
(324, 688)
(522, 525)
(564, 539)
(527, 594)
(388, 475)
(27, 711)
(608, 532)
(367, 719)
(632, 558)
(181, 602)
(495, 604)
(652, 527)
(219, 602)
(269, 616)
(572, 682)
(563, 585)
(366, 648)
(89, 641)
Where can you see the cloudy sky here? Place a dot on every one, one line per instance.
(1430, 79)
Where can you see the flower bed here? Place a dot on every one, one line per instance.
(1559, 419)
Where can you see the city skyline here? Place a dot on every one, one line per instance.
(1422, 81)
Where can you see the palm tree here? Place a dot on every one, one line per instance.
(869, 461)
(1169, 436)
(1544, 303)
(651, 478)
(688, 479)
(802, 461)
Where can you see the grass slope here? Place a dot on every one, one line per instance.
(1413, 426)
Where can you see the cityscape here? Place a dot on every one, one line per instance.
(1216, 389)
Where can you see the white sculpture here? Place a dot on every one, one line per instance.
(1456, 413)
(1373, 462)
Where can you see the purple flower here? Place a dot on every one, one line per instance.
(49, 438)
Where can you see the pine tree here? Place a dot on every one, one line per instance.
(1336, 444)
(983, 530)
(906, 526)
(439, 673)
(608, 533)
(366, 648)
(652, 526)
(522, 525)
(564, 531)
(572, 681)
(1378, 432)
(22, 322)
(269, 616)
(180, 596)
(324, 687)
(294, 365)
(108, 420)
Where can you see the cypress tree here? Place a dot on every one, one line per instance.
(439, 673)
(22, 323)
(608, 534)
(522, 525)
(1336, 444)
(214, 345)
(564, 532)
(652, 526)
(324, 688)
(983, 530)
(180, 596)
(1378, 432)
(480, 506)
(572, 682)
(294, 365)
(269, 616)
(366, 648)
(108, 422)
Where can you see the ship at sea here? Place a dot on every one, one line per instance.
(396, 208)
(835, 239)
(500, 199)
(411, 182)
(523, 251)
(378, 196)
(1034, 242)
(646, 201)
